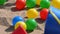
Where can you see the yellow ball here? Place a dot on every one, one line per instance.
(56, 3)
(32, 13)
(38, 2)
(20, 24)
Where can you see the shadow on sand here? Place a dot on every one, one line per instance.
(4, 22)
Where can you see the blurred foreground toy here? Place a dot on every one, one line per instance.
(19, 30)
(56, 3)
(32, 13)
(2, 2)
(44, 13)
(30, 3)
(22, 24)
(31, 24)
(16, 19)
(44, 3)
(52, 25)
(38, 2)
(20, 4)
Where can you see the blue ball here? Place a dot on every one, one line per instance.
(16, 19)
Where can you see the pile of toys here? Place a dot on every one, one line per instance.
(30, 24)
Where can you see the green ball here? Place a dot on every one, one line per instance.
(31, 24)
(45, 4)
(30, 3)
(2, 2)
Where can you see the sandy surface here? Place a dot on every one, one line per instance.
(8, 11)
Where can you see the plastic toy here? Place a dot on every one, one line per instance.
(19, 30)
(30, 3)
(31, 24)
(20, 4)
(32, 13)
(44, 3)
(22, 24)
(52, 25)
(44, 14)
(2, 2)
(16, 19)
(56, 3)
(38, 2)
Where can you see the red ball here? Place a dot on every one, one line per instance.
(20, 4)
(44, 14)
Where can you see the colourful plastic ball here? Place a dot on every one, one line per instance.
(31, 24)
(22, 24)
(16, 19)
(2, 2)
(55, 3)
(30, 3)
(20, 4)
(38, 2)
(44, 14)
(32, 13)
(45, 4)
